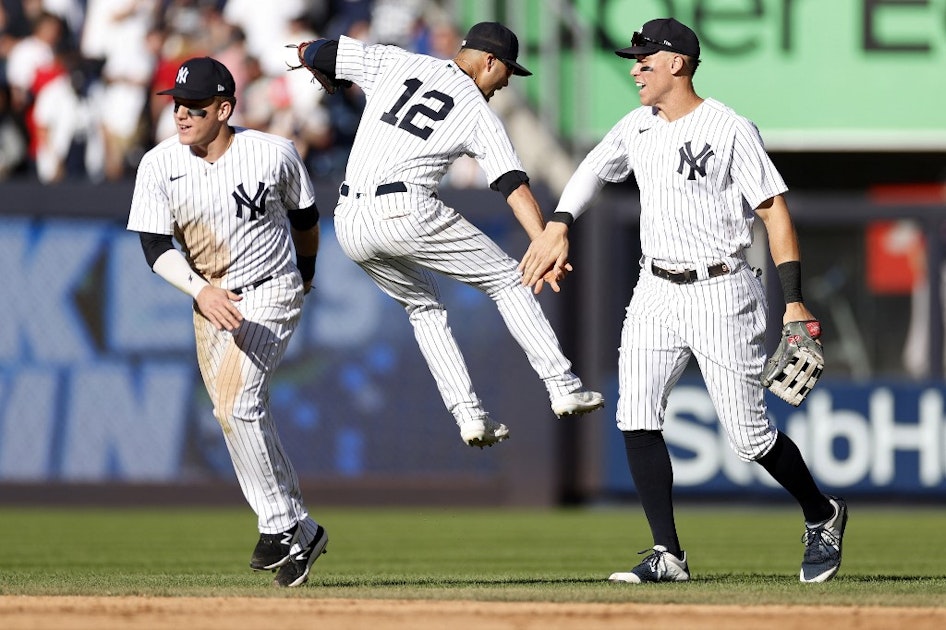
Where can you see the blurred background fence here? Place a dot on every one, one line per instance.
(99, 394)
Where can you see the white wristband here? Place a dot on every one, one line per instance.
(173, 267)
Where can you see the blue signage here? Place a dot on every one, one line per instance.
(874, 438)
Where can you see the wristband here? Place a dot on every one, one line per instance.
(306, 265)
(562, 217)
(789, 273)
(173, 267)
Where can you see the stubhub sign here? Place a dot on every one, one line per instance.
(875, 438)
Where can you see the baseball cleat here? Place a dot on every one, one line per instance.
(296, 571)
(823, 545)
(659, 566)
(272, 550)
(577, 403)
(483, 432)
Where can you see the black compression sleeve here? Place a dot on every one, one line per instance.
(321, 56)
(509, 182)
(304, 218)
(154, 245)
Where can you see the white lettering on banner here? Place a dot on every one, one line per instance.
(27, 419)
(712, 453)
(924, 437)
(871, 443)
(145, 313)
(125, 423)
(43, 267)
(826, 426)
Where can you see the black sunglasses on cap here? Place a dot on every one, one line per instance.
(638, 39)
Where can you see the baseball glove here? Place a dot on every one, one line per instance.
(330, 84)
(796, 365)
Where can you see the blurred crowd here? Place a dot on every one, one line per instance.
(78, 77)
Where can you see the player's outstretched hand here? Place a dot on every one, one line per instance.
(217, 306)
(552, 278)
(547, 254)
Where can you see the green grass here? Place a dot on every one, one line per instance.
(744, 555)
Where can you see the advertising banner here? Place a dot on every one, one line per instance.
(874, 438)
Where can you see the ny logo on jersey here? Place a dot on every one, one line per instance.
(257, 204)
(697, 163)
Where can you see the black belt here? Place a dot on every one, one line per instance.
(688, 276)
(255, 285)
(383, 189)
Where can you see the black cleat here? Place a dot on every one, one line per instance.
(272, 550)
(823, 545)
(296, 571)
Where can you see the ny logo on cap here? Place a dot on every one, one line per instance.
(182, 75)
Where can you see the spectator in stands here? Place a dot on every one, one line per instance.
(66, 118)
(30, 54)
(12, 140)
(127, 72)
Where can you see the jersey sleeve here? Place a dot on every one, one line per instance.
(610, 160)
(150, 208)
(361, 63)
(296, 185)
(490, 145)
(752, 169)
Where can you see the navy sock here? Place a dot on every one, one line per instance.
(786, 465)
(649, 462)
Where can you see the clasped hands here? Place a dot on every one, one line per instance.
(546, 260)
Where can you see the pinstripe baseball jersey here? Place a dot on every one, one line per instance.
(422, 113)
(223, 213)
(700, 179)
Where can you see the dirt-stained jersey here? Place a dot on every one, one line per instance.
(222, 212)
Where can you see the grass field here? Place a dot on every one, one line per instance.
(892, 556)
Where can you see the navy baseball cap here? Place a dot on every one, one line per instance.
(201, 78)
(662, 34)
(496, 39)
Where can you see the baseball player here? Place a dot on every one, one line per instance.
(422, 113)
(238, 201)
(703, 176)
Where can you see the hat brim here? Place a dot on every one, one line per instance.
(192, 95)
(632, 51)
(517, 69)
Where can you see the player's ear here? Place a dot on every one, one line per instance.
(225, 109)
(677, 64)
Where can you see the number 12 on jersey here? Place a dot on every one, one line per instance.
(406, 123)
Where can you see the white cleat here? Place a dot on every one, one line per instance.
(483, 432)
(577, 403)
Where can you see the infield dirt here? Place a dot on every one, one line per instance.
(198, 613)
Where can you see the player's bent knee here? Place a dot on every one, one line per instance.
(752, 452)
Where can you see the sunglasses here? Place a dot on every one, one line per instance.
(637, 39)
(193, 112)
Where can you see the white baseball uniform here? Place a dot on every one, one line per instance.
(423, 113)
(231, 219)
(701, 178)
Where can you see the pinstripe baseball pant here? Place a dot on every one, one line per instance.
(237, 369)
(720, 322)
(400, 250)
